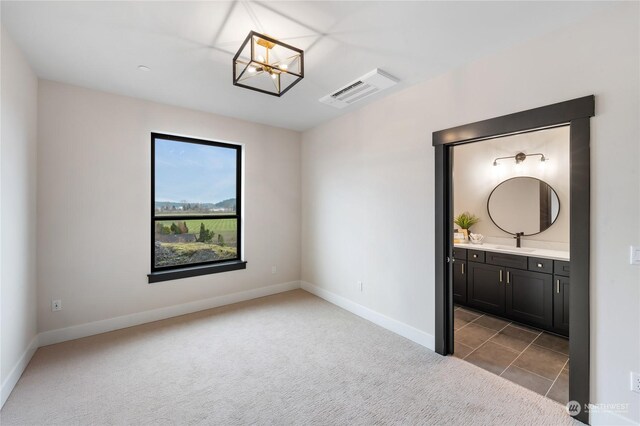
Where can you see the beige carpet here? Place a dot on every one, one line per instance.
(291, 358)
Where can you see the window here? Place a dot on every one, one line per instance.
(195, 212)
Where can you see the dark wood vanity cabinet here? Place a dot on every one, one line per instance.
(561, 304)
(561, 297)
(460, 281)
(524, 289)
(460, 272)
(529, 297)
(486, 288)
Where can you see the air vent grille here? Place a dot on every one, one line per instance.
(367, 85)
(353, 98)
(346, 89)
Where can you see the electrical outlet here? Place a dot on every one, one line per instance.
(635, 382)
(360, 286)
(274, 269)
(56, 305)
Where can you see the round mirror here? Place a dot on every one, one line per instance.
(523, 204)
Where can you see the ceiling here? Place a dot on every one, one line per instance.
(189, 46)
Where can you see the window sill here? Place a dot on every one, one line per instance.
(176, 274)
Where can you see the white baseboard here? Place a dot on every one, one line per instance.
(17, 370)
(89, 329)
(97, 327)
(405, 330)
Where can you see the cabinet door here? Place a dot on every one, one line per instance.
(485, 287)
(561, 304)
(530, 297)
(460, 281)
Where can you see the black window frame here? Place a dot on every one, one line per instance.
(165, 273)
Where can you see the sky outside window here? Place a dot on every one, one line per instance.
(194, 173)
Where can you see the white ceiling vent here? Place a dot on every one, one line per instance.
(370, 83)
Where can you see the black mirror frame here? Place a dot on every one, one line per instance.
(521, 177)
(576, 113)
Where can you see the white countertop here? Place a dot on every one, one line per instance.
(523, 251)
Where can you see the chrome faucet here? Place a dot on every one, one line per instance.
(517, 237)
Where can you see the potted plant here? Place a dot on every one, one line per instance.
(465, 221)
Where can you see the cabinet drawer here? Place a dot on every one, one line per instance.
(508, 260)
(475, 255)
(541, 265)
(561, 267)
(459, 253)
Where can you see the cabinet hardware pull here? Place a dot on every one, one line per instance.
(539, 265)
(500, 275)
(462, 264)
(507, 277)
(558, 286)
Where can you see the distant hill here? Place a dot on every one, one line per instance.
(226, 204)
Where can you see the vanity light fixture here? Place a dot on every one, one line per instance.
(267, 65)
(520, 157)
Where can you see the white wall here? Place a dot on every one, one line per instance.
(94, 202)
(474, 177)
(18, 218)
(368, 183)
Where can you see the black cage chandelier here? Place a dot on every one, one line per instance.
(267, 65)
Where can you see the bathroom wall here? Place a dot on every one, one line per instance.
(474, 177)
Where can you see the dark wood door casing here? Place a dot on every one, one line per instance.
(575, 113)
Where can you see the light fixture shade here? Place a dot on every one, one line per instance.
(267, 65)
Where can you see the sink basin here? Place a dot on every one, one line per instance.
(524, 250)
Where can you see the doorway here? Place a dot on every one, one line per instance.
(575, 114)
(511, 275)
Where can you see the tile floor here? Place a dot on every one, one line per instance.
(531, 358)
